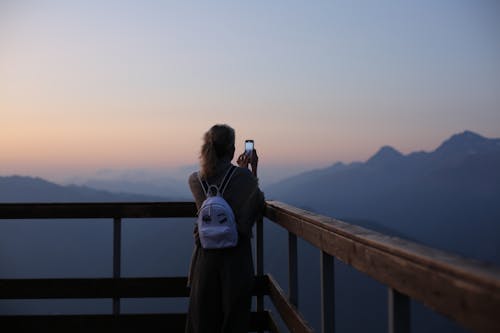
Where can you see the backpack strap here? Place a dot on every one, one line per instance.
(204, 185)
(227, 178)
(222, 187)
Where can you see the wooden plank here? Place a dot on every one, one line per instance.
(484, 273)
(287, 311)
(93, 288)
(104, 288)
(464, 290)
(172, 322)
(165, 322)
(96, 210)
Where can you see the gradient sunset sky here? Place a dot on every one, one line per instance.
(87, 85)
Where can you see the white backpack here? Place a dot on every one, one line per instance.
(216, 223)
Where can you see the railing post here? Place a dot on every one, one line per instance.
(399, 312)
(260, 259)
(293, 286)
(327, 293)
(117, 240)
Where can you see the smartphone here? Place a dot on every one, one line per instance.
(248, 147)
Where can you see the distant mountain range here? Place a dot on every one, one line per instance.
(29, 189)
(448, 198)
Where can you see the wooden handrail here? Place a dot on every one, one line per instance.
(465, 290)
(468, 291)
(96, 210)
(116, 287)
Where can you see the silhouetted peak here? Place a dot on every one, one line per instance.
(337, 166)
(467, 142)
(467, 137)
(385, 154)
(17, 180)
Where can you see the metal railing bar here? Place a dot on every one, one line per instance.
(398, 311)
(117, 241)
(327, 293)
(259, 255)
(293, 283)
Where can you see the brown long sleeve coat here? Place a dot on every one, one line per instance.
(221, 280)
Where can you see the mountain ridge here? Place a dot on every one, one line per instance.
(447, 154)
(18, 188)
(384, 155)
(414, 194)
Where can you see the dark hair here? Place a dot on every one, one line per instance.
(218, 143)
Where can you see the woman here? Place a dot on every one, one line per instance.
(221, 280)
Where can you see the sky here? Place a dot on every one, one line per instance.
(113, 85)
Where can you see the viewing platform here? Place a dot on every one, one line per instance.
(466, 291)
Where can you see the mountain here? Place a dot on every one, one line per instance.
(468, 143)
(29, 189)
(385, 155)
(453, 189)
(447, 198)
(155, 187)
(152, 182)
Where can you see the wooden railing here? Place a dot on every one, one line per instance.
(117, 287)
(464, 290)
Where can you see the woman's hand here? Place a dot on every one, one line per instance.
(254, 162)
(244, 160)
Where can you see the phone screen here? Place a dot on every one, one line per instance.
(249, 146)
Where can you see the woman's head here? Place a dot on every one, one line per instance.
(218, 144)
